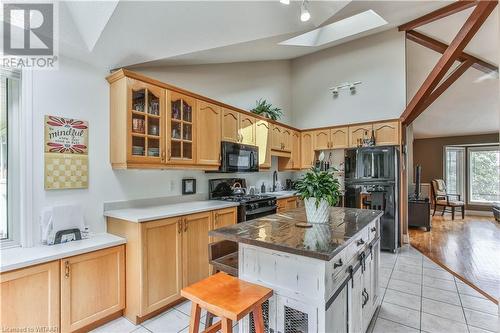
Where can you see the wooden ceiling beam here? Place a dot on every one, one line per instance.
(441, 47)
(451, 9)
(454, 50)
(446, 83)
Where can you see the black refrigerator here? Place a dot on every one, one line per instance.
(372, 182)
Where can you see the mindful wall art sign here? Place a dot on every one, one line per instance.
(66, 153)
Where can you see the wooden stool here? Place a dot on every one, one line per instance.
(228, 298)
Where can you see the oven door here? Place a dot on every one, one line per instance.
(239, 158)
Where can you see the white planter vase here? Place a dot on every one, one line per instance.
(321, 214)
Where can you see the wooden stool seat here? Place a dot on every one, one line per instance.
(228, 298)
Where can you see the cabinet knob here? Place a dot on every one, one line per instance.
(360, 242)
(169, 154)
(338, 264)
(163, 156)
(374, 229)
(179, 226)
(185, 225)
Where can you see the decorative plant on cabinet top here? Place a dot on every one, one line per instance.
(267, 110)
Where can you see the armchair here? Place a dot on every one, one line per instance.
(448, 201)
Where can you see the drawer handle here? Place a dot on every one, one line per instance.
(360, 242)
(338, 264)
(374, 229)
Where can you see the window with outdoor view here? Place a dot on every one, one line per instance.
(484, 175)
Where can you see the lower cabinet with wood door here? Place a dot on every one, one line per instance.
(286, 204)
(163, 256)
(30, 299)
(92, 287)
(72, 294)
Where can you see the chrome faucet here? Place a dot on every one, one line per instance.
(275, 179)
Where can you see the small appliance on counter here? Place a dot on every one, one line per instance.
(61, 224)
(251, 206)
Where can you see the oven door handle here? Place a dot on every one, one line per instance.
(261, 210)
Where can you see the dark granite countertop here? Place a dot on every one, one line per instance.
(321, 241)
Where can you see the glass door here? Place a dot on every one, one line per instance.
(181, 129)
(146, 127)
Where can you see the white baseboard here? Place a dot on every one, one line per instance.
(478, 213)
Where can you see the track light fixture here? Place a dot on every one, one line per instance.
(346, 85)
(285, 2)
(304, 12)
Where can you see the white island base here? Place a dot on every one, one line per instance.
(313, 295)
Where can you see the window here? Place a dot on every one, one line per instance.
(484, 175)
(9, 156)
(454, 170)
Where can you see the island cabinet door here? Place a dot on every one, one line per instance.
(295, 316)
(195, 247)
(355, 307)
(161, 264)
(222, 218)
(336, 314)
(368, 293)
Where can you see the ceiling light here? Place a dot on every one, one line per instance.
(304, 12)
(285, 2)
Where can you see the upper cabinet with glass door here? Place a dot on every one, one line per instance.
(181, 139)
(146, 114)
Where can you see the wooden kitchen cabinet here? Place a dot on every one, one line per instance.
(137, 121)
(195, 247)
(223, 218)
(92, 287)
(281, 139)
(247, 129)
(386, 133)
(284, 205)
(307, 150)
(292, 163)
(339, 137)
(263, 141)
(230, 125)
(208, 134)
(322, 139)
(30, 298)
(181, 129)
(358, 132)
(160, 255)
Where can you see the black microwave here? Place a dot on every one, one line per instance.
(236, 157)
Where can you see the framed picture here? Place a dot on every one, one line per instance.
(189, 186)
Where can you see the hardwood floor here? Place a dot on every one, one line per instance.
(469, 249)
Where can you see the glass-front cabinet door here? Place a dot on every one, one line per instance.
(146, 111)
(180, 129)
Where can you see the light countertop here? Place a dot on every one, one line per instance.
(144, 214)
(19, 257)
(283, 194)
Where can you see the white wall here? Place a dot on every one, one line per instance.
(378, 61)
(80, 91)
(237, 84)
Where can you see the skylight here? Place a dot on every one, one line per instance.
(349, 26)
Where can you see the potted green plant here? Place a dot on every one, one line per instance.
(320, 190)
(267, 110)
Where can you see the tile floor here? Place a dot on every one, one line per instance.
(418, 296)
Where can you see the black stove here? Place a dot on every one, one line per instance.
(251, 206)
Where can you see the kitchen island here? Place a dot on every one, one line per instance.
(325, 277)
